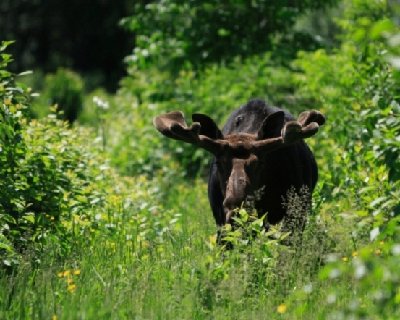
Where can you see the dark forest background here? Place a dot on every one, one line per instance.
(82, 35)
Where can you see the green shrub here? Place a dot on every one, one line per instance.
(65, 89)
(48, 175)
(13, 114)
(359, 153)
(358, 89)
(211, 31)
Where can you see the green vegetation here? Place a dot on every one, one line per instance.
(205, 31)
(65, 89)
(107, 219)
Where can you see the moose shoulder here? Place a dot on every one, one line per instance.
(260, 148)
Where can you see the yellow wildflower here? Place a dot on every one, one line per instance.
(354, 254)
(213, 240)
(66, 273)
(71, 288)
(54, 317)
(77, 272)
(281, 308)
(345, 259)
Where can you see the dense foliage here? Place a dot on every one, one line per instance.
(65, 89)
(45, 178)
(204, 31)
(133, 237)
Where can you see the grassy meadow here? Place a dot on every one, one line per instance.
(104, 218)
(163, 263)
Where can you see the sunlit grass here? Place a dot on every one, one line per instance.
(171, 267)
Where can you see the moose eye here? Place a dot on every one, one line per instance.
(238, 120)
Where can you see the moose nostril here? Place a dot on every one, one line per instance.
(231, 203)
(228, 216)
(227, 203)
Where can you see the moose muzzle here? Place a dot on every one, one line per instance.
(236, 189)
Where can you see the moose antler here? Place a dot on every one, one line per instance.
(307, 117)
(304, 127)
(173, 125)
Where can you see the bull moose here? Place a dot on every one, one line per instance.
(261, 147)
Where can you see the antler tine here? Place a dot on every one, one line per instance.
(164, 123)
(306, 126)
(307, 117)
(173, 125)
(268, 145)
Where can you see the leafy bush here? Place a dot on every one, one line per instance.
(46, 175)
(14, 110)
(210, 31)
(358, 89)
(359, 156)
(65, 88)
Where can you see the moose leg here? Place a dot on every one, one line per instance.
(215, 196)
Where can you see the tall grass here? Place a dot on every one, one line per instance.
(171, 268)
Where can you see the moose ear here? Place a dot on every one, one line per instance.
(208, 126)
(272, 126)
